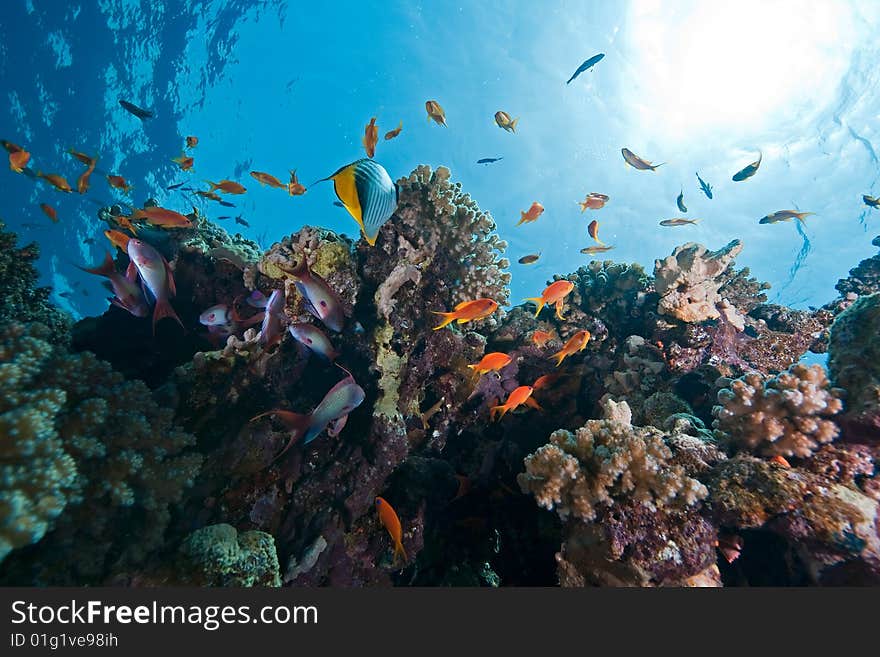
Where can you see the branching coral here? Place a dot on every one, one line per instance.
(129, 460)
(605, 461)
(785, 415)
(21, 300)
(689, 281)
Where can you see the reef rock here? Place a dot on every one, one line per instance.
(688, 282)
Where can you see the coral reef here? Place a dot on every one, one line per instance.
(604, 461)
(689, 281)
(21, 300)
(853, 364)
(219, 555)
(785, 415)
(113, 462)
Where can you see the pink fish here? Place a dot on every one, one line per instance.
(330, 414)
(157, 277)
(129, 295)
(314, 339)
(272, 329)
(321, 300)
(222, 321)
(256, 299)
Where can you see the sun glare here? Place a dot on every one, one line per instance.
(745, 66)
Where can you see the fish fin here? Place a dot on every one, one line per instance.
(172, 288)
(560, 356)
(531, 403)
(497, 412)
(538, 301)
(448, 318)
(801, 215)
(106, 268)
(513, 124)
(559, 306)
(399, 552)
(163, 309)
(296, 423)
(131, 272)
(654, 166)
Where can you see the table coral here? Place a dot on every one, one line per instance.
(784, 415)
(604, 461)
(689, 281)
(131, 463)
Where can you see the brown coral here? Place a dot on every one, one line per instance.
(579, 473)
(785, 415)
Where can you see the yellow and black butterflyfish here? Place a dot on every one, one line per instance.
(368, 193)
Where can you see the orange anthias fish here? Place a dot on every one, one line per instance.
(192, 142)
(388, 517)
(58, 182)
(546, 381)
(491, 363)
(18, 160)
(593, 230)
(118, 182)
(520, 396)
(82, 183)
(594, 201)
(540, 338)
(125, 222)
(227, 187)
(391, 134)
(85, 159)
(267, 179)
(211, 195)
(294, 187)
(117, 239)
(554, 293)
(532, 214)
(185, 162)
(50, 212)
(435, 112)
(10, 147)
(371, 137)
(780, 461)
(156, 216)
(468, 311)
(577, 342)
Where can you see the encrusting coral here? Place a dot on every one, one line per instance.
(604, 461)
(218, 555)
(854, 363)
(21, 300)
(785, 415)
(688, 282)
(112, 462)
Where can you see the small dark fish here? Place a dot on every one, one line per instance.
(749, 170)
(226, 204)
(225, 216)
(637, 162)
(489, 160)
(871, 201)
(241, 221)
(783, 215)
(177, 186)
(706, 187)
(679, 221)
(89, 240)
(529, 259)
(587, 65)
(139, 112)
(680, 202)
(187, 189)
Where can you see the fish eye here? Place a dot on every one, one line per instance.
(378, 502)
(309, 340)
(323, 304)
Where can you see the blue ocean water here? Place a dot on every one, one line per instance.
(275, 85)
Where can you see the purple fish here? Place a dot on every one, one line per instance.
(129, 295)
(314, 339)
(331, 413)
(321, 300)
(157, 277)
(256, 299)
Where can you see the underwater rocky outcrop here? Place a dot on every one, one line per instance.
(684, 445)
